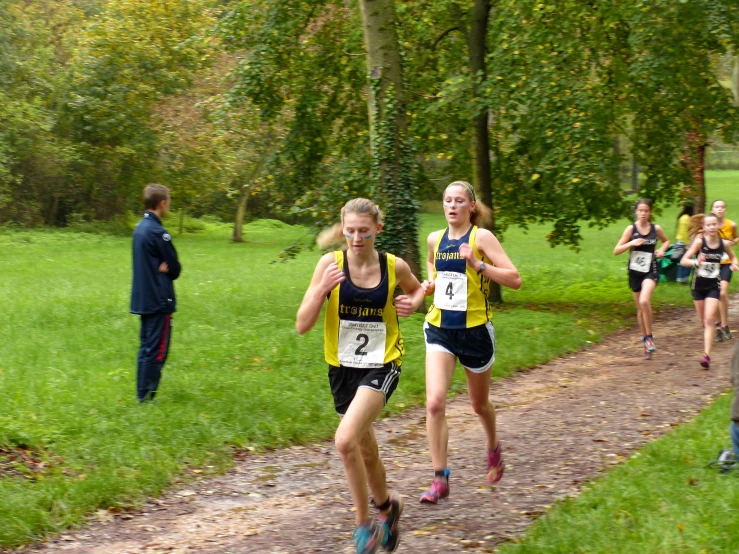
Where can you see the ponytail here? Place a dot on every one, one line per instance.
(482, 216)
(331, 237)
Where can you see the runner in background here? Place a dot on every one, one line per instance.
(727, 232)
(640, 238)
(682, 240)
(708, 250)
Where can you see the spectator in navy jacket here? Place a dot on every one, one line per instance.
(155, 267)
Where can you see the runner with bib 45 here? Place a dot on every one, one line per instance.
(363, 347)
(708, 250)
(462, 261)
(640, 238)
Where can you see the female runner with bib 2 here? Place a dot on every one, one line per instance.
(708, 250)
(462, 260)
(363, 347)
(641, 239)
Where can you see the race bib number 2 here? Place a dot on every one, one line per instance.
(361, 343)
(451, 291)
(640, 261)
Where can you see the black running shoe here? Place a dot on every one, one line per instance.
(390, 524)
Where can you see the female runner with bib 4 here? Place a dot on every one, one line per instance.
(641, 239)
(708, 250)
(363, 347)
(462, 260)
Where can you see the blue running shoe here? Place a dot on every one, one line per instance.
(368, 538)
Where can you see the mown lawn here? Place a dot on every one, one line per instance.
(238, 375)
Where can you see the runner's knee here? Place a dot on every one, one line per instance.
(345, 444)
(436, 405)
(481, 405)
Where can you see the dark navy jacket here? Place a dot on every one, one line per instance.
(153, 292)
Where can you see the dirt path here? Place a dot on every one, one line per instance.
(560, 424)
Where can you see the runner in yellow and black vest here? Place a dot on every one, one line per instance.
(462, 261)
(727, 232)
(363, 348)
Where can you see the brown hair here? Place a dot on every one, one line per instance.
(646, 201)
(482, 215)
(154, 194)
(334, 235)
(717, 200)
(695, 227)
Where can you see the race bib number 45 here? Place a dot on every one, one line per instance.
(708, 270)
(361, 343)
(640, 261)
(451, 291)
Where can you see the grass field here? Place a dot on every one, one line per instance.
(238, 375)
(662, 501)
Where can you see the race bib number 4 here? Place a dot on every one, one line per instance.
(708, 270)
(361, 343)
(451, 291)
(640, 261)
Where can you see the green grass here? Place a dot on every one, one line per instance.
(238, 375)
(662, 501)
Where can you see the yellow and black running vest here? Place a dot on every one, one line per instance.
(361, 326)
(461, 296)
(727, 233)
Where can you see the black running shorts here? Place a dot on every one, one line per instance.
(345, 381)
(702, 294)
(726, 272)
(474, 347)
(636, 278)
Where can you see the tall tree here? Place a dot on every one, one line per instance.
(392, 150)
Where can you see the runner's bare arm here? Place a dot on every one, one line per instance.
(502, 270)
(625, 242)
(406, 304)
(732, 256)
(428, 285)
(660, 252)
(735, 237)
(687, 259)
(326, 276)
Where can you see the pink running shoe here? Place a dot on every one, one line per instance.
(439, 489)
(706, 362)
(495, 464)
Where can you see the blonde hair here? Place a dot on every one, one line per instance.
(334, 235)
(482, 215)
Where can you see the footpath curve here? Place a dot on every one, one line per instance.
(560, 423)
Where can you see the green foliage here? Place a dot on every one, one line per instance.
(130, 57)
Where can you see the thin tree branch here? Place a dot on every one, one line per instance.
(445, 33)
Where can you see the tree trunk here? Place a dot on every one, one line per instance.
(735, 80)
(481, 131)
(392, 152)
(695, 159)
(240, 213)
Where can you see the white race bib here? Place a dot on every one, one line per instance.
(708, 270)
(640, 261)
(451, 291)
(362, 343)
